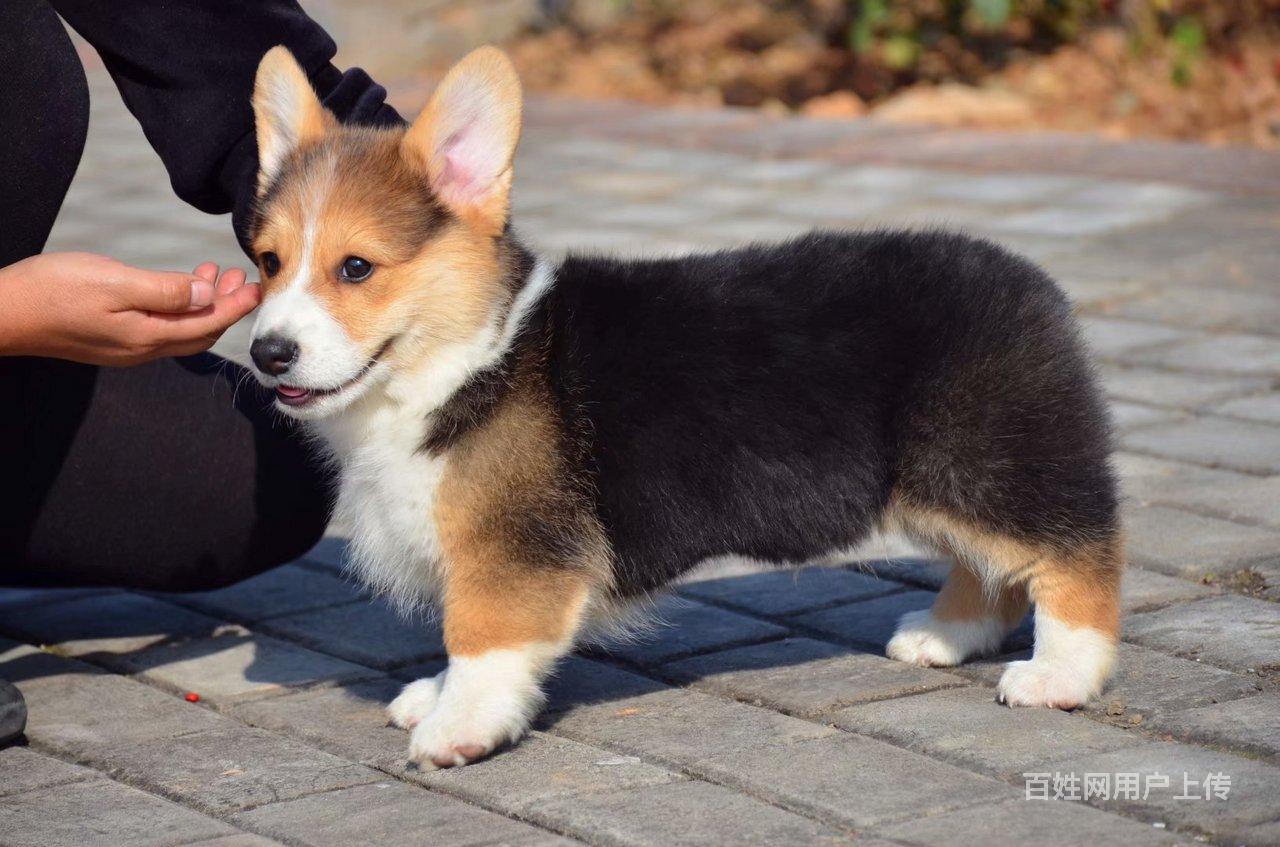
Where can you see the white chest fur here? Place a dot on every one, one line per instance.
(386, 497)
(387, 484)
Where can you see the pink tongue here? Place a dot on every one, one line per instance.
(290, 391)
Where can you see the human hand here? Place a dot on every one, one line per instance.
(94, 309)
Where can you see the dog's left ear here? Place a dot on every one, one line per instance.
(466, 137)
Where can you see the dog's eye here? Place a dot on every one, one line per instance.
(355, 269)
(270, 264)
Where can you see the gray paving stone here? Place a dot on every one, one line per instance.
(1267, 833)
(1247, 499)
(1229, 631)
(1230, 354)
(242, 840)
(1264, 408)
(22, 598)
(679, 728)
(1217, 442)
(1109, 338)
(685, 627)
(870, 622)
(23, 769)
(967, 726)
(1170, 388)
(804, 677)
(579, 681)
(1128, 415)
(540, 768)
(329, 553)
(106, 628)
(893, 178)
(652, 215)
(785, 592)
(1001, 188)
(348, 720)
(100, 811)
(1250, 800)
(725, 196)
(1250, 725)
(1063, 220)
(1148, 479)
(829, 208)
(1141, 590)
(781, 170)
(235, 664)
(1177, 542)
(1227, 309)
(1163, 197)
(1145, 683)
(743, 230)
(1060, 823)
(387, 814)
(163, 744)
(853, 781)
(695, 814)
(281, 591)
(431, 667)
(368, 631)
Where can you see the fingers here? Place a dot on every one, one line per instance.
(163, 291)
(205, 326)
(230, 281)
(208, 271)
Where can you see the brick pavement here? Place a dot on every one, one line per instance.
(769, 715)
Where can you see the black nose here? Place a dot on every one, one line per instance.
(273, 354)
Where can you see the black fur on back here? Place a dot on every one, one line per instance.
(767, 401)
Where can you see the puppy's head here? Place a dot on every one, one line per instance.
(377, 247)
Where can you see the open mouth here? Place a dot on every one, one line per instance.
(296, 396)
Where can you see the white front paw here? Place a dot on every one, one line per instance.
(457, 733)
(415, 702)
(1054, 684)
(922, 639)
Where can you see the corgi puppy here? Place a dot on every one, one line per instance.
(535, 447)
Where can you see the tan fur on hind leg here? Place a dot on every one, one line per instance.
(965, 621)
(1076, 594)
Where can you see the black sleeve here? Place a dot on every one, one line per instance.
(185, 69)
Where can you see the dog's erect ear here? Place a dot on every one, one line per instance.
(466, 137)
(287, 112)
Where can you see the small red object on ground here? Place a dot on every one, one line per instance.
(193, 697)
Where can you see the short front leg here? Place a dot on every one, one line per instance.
(503, 633)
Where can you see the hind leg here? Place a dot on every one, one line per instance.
(1075, 589)
(965, 621)
(1077, 627)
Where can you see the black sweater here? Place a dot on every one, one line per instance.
(185, 69)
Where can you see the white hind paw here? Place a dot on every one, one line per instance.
(415, 702)
(922, 639)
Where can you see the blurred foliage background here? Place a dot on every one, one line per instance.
(1190, 69)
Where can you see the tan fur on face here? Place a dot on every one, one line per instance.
(435, 279)
(385, 195)
(524, 552)
(1080, 586)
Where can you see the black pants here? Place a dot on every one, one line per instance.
(162, 476)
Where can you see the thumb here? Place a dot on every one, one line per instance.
(161, 291)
